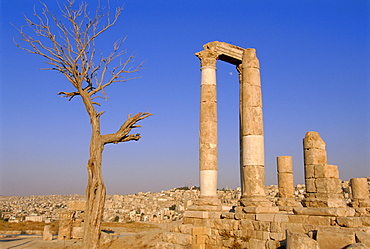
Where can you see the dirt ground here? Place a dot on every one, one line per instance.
(125, 235)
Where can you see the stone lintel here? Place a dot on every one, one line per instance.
(229, 53)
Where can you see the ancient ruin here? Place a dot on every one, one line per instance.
(327, 217)
(324, 221)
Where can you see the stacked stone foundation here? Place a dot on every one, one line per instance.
(265, 231)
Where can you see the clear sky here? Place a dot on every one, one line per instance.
(314, 58)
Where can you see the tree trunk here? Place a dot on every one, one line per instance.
(95, 195)
(95, 190)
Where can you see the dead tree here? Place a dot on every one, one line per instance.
(68, 44)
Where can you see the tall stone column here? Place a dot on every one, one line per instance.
(208, 144)
(252, 138)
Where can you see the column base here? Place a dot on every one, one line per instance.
(208, 201)
(255, 201)
(288, 202)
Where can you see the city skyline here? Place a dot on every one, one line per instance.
(314, 61)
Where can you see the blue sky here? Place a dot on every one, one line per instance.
(314, 58)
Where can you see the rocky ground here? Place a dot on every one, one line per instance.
(125, 235)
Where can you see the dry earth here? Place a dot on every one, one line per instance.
(126, 235)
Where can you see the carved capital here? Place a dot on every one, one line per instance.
(207, 57)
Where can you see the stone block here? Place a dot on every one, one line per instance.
(326, 211)
(77, 232)
(311, 185)
(256, 244)
(363, 238)
(331, 237)
(359, 188)
(277, 236)
(261, 225)
(47, 235)
(252, 95)
(298, 218)
(105, 238)
(285, 164)
(294, 227)
(246, 224)
(328, 185)
(262, 235)
(365, 221)
(201, 239)
(277, 227)
(324, 202)
(286, 185)
(349, 221)
(319, 220)
(272, 244)
(186, 228)
(314, 156)
(265, 217)
(196, 214)
(253, 121)
(201, 231)
(244, 216)
(228, 225)
(309, 171)
(312, 139)
(228, 215)
(281, 217)
(326, 171)
(357, 246)
(209, 154)
(261, 210)
(254, 155)
(301, 241)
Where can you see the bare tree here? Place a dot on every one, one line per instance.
(69, 47)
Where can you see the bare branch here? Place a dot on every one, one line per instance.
(122, 135)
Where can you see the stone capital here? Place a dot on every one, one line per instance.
(207, 58)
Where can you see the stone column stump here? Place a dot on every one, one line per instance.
(286, 200)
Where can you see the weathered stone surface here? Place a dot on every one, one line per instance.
(363, 238)
(326, 171)
(315, 156)
(328, 185)
(47, 235)
(105, 238)
(359, 188)
(357, 246)
(256, 244)
(300, 241)
(324, 211)
(284, 164)
(261, 210)
(349, 221)
(313, 140)
(77, 232)
(331, 237)
(286, 185)
(65, 225)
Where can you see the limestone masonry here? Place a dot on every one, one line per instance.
(326, 213)
(323, 219)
